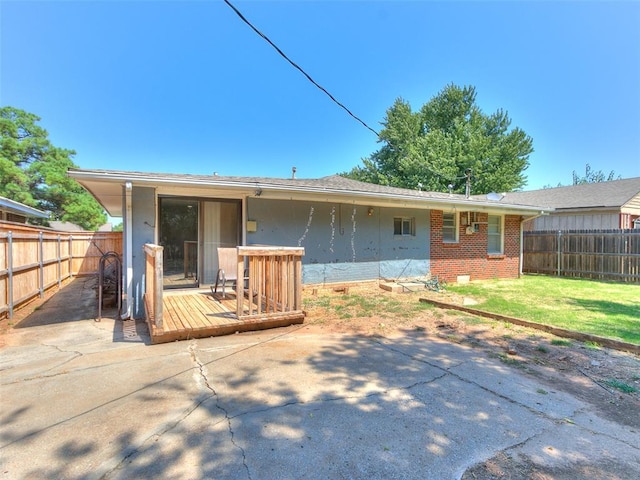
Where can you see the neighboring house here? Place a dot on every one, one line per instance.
(351, 231)
(11, 211)
(60, 226)
(589, 206)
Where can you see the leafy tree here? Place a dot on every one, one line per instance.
(593, 177)
(34, 172)
(434, 147)
(589, 177)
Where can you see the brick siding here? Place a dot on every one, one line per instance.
(469, 256)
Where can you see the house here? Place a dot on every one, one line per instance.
(61, 226)
(604, 205)
(351, 231)
(12, 211)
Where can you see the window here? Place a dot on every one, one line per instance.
(404, 226)
(494, 234)
(449, 227)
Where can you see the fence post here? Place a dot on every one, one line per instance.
(10, 275)
(59, 261)
(559, 260)
(41, 262)
(70, 256)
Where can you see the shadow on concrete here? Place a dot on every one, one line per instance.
(77, 301)
(131, 331)
(359, 407)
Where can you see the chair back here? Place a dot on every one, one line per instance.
(228, 262)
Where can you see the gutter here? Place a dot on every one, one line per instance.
(21, 209)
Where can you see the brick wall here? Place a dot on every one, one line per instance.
(469, 256)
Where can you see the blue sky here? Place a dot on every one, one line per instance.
(186, 87)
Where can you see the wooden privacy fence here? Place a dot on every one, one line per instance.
(597, 254)
(34, 259)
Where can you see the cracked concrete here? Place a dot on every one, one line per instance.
(83, 401)
(202, 371)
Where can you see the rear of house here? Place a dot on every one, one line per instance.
(350, 231)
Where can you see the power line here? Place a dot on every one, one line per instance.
(296, 66)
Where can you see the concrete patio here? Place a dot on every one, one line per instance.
(88, 400)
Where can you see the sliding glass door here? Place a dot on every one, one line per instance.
(179, 237)
(191, 230)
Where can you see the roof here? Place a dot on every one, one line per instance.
(108, 187)
(611, 194)
(21, 209)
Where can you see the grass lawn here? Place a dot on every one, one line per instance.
(600, 308)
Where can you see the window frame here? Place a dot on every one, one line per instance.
(410, 221)
(456, 228)
(499, 234)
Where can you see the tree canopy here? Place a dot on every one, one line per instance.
(34, 172)
(591, 176)
(434, 147)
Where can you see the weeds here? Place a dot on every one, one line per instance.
(623, 387)
(561, 343)
(508, 360)
(357, 305)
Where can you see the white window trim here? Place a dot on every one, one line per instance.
(456, 220)
(412, 227)
(501, 252)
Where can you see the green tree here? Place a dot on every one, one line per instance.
(594, 177)
(434, 147)
(34, 172)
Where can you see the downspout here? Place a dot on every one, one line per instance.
(522, 238)
(128, 238)
(244, 207)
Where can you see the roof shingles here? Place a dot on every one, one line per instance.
(613, 194)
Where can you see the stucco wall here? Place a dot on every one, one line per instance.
(343, 242)
(469, 255)
(144, 220)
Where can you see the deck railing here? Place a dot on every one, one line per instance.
(272, 286)
(273, 277)
(153, 284)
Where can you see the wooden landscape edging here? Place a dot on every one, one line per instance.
(560, 332)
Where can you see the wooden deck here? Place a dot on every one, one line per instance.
(198, 314)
